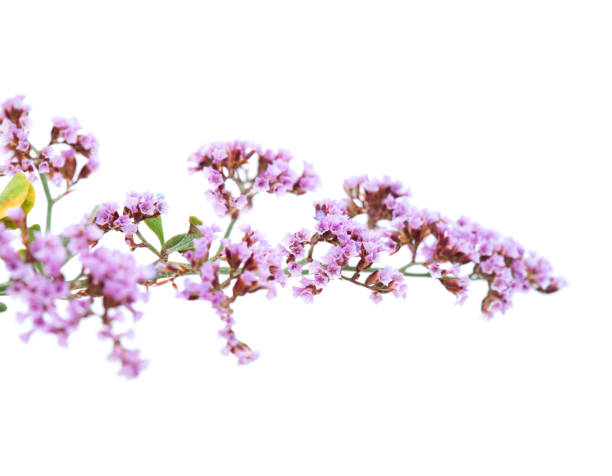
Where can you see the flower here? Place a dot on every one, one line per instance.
(14, 136)
(59, 158)
(453, 252)
(253, 265)
(137, 207)
(379, 199)
(49, 250)
(82, 236)
(131, 362)
(116, 276)
(44, 295)
(66, 129)
(231, 161)
(373, 238)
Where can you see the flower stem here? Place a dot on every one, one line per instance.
(409, 265)
(230, 227)
(227, 234)
(148, 245)
(50, 202)
(373, 268)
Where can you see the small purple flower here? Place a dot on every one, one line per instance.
(295, 269)
(105, 214)
(117, 274)
(145, 203)
(147, 207)
(67, 128)
(125, 225)
(131, 362)
(229, 161)
(49, 250)
(82, 236)
(218, 153)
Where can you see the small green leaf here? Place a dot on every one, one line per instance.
(33, 229)
(3, 307)
(181, 242)
(92, 217)
(175, 240)
(156, 226)
(194, 222)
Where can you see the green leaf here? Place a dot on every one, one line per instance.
(194, 222)
(181, 242)
(92, 217)
(3, 307)
(33, 229)
(156, 226)
(175, 240)
(4, 287)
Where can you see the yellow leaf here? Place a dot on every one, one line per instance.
(18, 192)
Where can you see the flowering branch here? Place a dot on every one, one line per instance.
(355, 240)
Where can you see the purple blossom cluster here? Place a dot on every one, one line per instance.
(250, 170)
(378, 199)
(137, 207)
(42, 292)
(252, 265)
(14, 132)
(354, 248)
(56, 305)
(453, 252)
(116, 278)
(373, 238)
(58, 159)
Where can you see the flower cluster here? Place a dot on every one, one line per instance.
(453, 252)
(82, 236)
(250, 170)
(58, 159)
(14, 132)
(40, 293)
(354, 248)
(378, 199)
(373, 238)
(252, 265)
(116, 277)
(55, 305)
(137, 207)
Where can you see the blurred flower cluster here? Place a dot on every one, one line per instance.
(373, 238)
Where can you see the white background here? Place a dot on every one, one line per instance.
(496, 110)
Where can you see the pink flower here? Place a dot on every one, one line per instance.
(49, 250)
(67, 128)
(223, 161)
